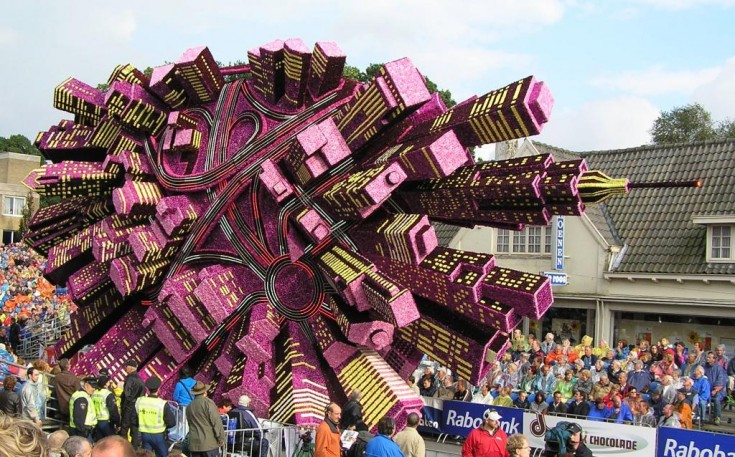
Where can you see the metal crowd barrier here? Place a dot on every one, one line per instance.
(271, 440)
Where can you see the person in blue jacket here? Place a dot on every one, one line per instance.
(182, 391)
(703, 388)
(599, 412)
(621, 413)
(383, 445)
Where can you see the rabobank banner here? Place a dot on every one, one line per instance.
(675, 442)
(461, 417)
(431, 418)
(603, 438)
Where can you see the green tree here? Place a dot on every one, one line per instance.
(27, 213)
(19, 144)
(689, 124)
(374, 68)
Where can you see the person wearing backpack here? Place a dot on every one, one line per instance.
(182, 391)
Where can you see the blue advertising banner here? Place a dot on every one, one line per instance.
(431, 418)
(675, 442)
(461, 417)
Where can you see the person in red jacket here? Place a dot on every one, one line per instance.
(328, 442)
(487, 440)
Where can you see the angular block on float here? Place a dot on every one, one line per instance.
(176, 214)
(405, 237)
(312, 223)
(197, 72)
(137, 198)
(297, 60)
(263, 328)
(315, 150)
(166, 86)
(363, 192)
(327, 64)
(274, 181)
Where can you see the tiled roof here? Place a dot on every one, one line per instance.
(656, 223)
(445, 232)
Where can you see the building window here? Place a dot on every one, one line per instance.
(530, 240)
(13, 206)
(720, 247)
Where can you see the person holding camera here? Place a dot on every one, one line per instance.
(566, 440)
(488, 440)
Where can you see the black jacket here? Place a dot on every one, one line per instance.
(133, 389)
(352, 415)
(10, 403)
(581, 409)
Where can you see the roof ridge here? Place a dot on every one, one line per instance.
(651, 147)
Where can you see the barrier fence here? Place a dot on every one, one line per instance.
(458, 418)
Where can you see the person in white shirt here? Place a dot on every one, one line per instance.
(483, 396)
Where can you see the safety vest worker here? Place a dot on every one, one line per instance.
(108, 415)
(154, 417)
(83, 417)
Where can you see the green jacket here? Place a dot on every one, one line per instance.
(205, 425)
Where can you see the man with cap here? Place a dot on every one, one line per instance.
(83, 417)
(206, 432)
(487, 440)
(154, 417)
(250, 441)
(133, 388)
(108, 417)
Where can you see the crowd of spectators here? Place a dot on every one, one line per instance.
(31, 308)
(661, 384)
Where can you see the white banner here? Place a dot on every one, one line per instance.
(603, 438)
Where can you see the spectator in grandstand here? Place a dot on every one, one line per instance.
(638, 378)
(521, 402)
(720, 356)
(548, 345)
(688, 368)
(680, 354)
(539, 405)
(412, 385)
(588, 358)
(4, 339)
(409, 440)
(545, 381)
(65, 384)
(462, 394)
(427, 388)
(483, 396)
(644, 416)
(584, 383)
(14, 333)
(566, 386)
(182, 391)
(33, 397)
(557, 406)
(526, 382)
(600, 412)
(446, 392)
(669, 391)
(602, 387)
(9, 399)
(504, 398)
(598, 370)
(703, 389)
(731, 380)
(669, 419)
(700, 353)
(441, 375)
(21, 438)
(621, 350)
(663, 367)
(579, 406)
(717, 378)
(614, 371)
(684, 409)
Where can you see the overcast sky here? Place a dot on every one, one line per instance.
(612, 65)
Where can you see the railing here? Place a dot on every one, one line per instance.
(273, 440)
(39, 335)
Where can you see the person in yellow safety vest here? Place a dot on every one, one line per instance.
(154, 417)
(82, 417)
(108, 416)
